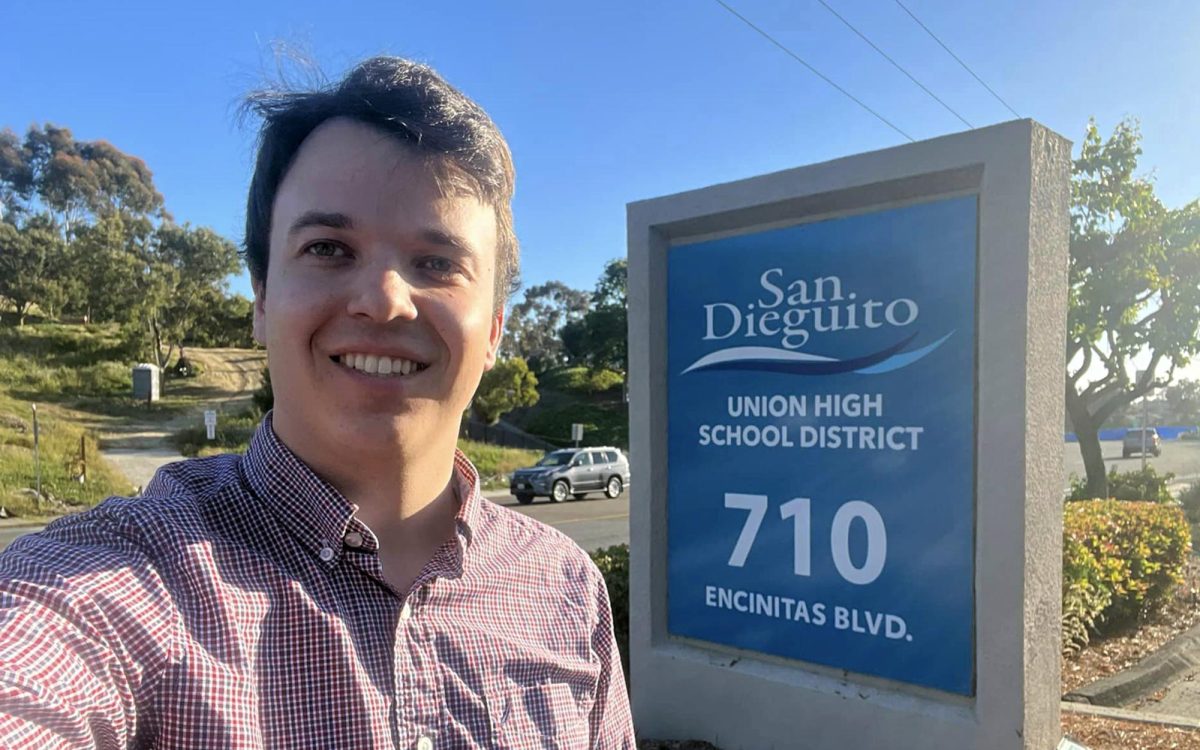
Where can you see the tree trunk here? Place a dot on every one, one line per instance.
(1087, 430)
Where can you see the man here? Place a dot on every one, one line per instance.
(343, 584)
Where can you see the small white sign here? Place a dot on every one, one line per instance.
(210, 418)
(212, 431)
(576, 432)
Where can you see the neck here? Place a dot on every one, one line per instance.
(400, 490)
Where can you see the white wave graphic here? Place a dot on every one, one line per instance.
(759, 353)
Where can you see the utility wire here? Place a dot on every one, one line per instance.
(897, 65)
(956, 58)
(815, 72)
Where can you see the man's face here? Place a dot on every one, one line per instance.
(377, 312)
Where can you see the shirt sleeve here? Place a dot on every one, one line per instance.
(81, 618)
(611, 719)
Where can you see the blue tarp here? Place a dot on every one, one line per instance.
(1166, 433)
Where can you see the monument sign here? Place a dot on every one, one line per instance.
(847, 400)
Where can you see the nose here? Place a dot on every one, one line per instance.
(382, 294)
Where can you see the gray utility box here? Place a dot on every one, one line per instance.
(146, 382)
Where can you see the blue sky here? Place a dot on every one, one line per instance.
(606, 103)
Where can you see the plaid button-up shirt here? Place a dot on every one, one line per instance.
(240, 604)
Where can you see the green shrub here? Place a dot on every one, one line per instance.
(1190, 435)
(1190, 500)
(603, 424)
(1145, 484)
(613, 563)
(264, 396)
(1121, 562)
(581, 380)
(232, 435)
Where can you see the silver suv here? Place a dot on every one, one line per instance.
(1134, 442)
(572, 472)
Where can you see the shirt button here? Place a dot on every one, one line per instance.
(424, 744)
(405, 613)
(326, 554)
(354, 540)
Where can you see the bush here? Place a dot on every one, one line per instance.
(582, 380)
(603, 424)
(1190, 435)
(1145, 484)
(232, 435)
(1190, 500)
(1121, 562)
(613, 563)
(264, 397)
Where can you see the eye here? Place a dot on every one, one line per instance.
(439, 266)
(324, 249)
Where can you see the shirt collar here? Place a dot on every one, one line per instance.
(315, 512)
(466, 479)
(310, 508)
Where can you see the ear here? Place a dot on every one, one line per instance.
(260, 312)
(494, 337)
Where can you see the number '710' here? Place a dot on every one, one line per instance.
(800, 511)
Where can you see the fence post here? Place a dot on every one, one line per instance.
(37, 457)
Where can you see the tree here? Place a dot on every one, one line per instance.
(1180, 403)
(114, 281)
(31, 264)
(600, 338)
(507, 386)
(222, 321)
(73, 180)
(534, 324)
(189, 267)
(1134, 289)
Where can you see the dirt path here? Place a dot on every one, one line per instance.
(138, 445)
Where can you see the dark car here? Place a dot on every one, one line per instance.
(572, 472)
(1133, 442)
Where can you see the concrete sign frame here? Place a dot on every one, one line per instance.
(743, 699)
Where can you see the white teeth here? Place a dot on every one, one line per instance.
(373, 364)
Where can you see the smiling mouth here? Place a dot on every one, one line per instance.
(373, 364)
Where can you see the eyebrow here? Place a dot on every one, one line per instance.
(447, 239)
(331, 219)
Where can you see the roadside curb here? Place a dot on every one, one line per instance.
(489, 494)
(1155, 671)
(1124, 714)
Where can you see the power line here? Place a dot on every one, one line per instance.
(815, 72)
(897, 65)
(956, 58)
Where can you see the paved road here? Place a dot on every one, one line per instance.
(1179, 457)
(593, 522)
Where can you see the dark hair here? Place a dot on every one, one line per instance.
(413, 104)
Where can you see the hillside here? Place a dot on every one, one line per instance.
(576, 394)
(79, 378)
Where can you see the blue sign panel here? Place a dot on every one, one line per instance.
(821, 416)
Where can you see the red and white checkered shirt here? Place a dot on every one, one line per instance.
(240, 604)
